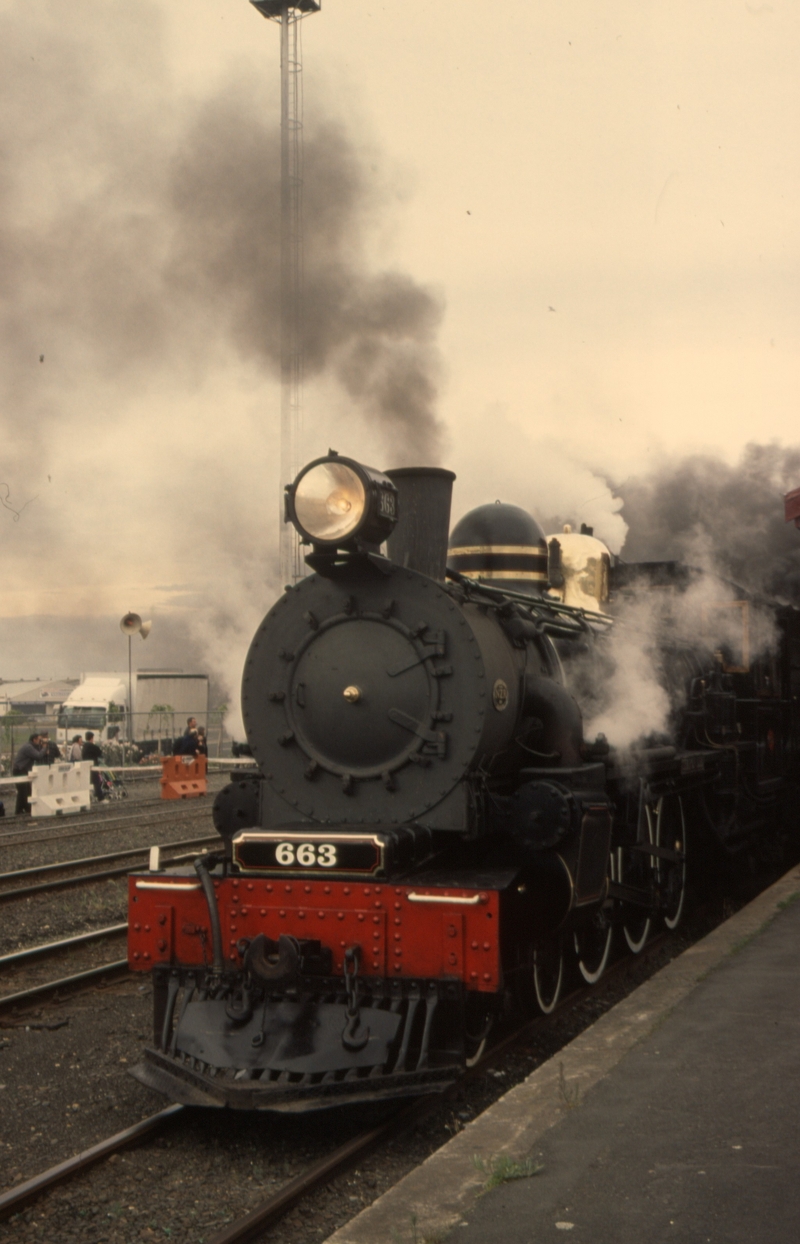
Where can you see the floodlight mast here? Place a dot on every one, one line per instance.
(289, 15)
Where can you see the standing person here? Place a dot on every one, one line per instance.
(76, 750)
(30, 754)
(201, 746)
(94, 753)
(52, 750)
(187, 745)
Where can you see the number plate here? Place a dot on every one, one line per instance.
(320, 853)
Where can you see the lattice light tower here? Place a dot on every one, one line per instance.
(289, 15)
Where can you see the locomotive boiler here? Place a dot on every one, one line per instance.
(429, 831)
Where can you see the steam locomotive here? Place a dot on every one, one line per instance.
(430, 836)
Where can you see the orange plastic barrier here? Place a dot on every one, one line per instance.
(183, 777)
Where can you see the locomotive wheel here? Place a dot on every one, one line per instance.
(636, 927)
(671, 833)
(593, 945)
(548, 973)
(636, 935)
(635, 868)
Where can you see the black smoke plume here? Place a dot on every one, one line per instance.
(374, 331)
(735, 512)
(139, 234)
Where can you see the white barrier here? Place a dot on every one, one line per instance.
(61, 788)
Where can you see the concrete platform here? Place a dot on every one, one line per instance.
(676, 1117)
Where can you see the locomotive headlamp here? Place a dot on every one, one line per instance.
(336, 501)
(329, 501)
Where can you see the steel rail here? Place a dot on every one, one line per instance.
(65, 982)
(13, 1199)
(63, 883)
(264, 1215)
(16, 873)
(51, 948)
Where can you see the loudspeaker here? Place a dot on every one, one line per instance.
(130, 623)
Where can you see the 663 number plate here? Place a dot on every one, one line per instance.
(273, 852)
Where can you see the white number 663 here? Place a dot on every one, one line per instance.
(308, 854)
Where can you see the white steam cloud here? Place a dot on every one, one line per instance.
(633, 694)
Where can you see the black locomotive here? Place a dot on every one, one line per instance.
(430, 835)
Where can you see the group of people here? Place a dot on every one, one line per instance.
(40, 749)
(193, 741)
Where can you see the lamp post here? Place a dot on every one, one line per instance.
(288, 14)
(129, 625)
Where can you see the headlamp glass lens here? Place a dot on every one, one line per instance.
(329, 501)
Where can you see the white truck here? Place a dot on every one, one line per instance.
(162, 701)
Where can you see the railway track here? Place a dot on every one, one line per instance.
(57, 883)
(14, 1199)
(82, 827)
(269, 1211)
(21, 830)
(64, 943)
(76, 827)
(103, 971)
(39, 953)
(63, 984)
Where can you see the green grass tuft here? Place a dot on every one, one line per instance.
(502, 1169)
(570, 1094)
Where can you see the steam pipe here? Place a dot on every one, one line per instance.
(213, 911)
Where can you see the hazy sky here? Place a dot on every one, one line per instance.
(592, 207)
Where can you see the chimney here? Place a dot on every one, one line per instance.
(419, 540)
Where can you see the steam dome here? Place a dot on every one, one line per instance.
(500, 544)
